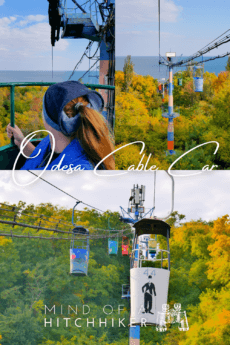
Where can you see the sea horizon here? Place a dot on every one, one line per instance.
(149, 65)
(143, 65)
(7, 76)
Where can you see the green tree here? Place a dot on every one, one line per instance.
(228, 65)
(128, 73)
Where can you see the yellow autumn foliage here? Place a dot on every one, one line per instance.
(210, 321)
(4, 241)
(203, 117)
(219, 264)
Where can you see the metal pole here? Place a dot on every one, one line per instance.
(12, 122)
(170, 134)
(135, 331)
(168, 250)
(134, 335)
(170, 115)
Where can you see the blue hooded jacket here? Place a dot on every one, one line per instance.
(72, 156)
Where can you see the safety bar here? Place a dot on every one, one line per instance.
(141, 258)
(125, 291)
(12, 89)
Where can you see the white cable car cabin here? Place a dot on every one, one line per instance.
(198, 78)
(148, 283)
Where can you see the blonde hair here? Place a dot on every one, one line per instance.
(93, 133)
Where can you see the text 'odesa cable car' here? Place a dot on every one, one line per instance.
(198, 79)
(149, 285)
(79, 251)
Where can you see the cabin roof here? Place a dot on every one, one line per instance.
(80, 230)
(152, 226)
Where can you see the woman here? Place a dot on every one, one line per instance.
(71, 112)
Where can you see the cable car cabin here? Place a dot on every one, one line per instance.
(148, 246)
(198, 80)
(80, 25)
(125, 246)
(153, 248)
(152, 253)
(113, 246)
(125, 291)
(179, 81)
(79, 251)
(149, 278)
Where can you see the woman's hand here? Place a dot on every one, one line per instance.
(16, 133)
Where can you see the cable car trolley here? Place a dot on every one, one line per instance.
(79, 249)
(149, 285)
(198, 79)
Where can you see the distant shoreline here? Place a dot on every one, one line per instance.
(7, 76)
(149, 65)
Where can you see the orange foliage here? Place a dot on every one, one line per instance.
(219, 265)
(219, 82)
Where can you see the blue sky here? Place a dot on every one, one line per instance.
(25, 39)
(186, 26)
(205, 195)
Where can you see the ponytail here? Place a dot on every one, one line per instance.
(93, 133)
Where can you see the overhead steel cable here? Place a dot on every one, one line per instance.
(224, 40)
(39, 227)
(112, 233)
(79, 6)
(36, 227)
(40, 217)
(37, 237)
(39, 220)
(59, 223)
(89, 69)
(78, 63)
(91, 57)
(85, 3)
(61, 238)
(212, 58)
(204, 50)
(214, 40)
(61, 190)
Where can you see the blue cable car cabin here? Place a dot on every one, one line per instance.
(80, 25)
(152, 253)
(198, 79)
(113, 245)
(79, 252)
(152, 247)
(179, 81)
(125, 291)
